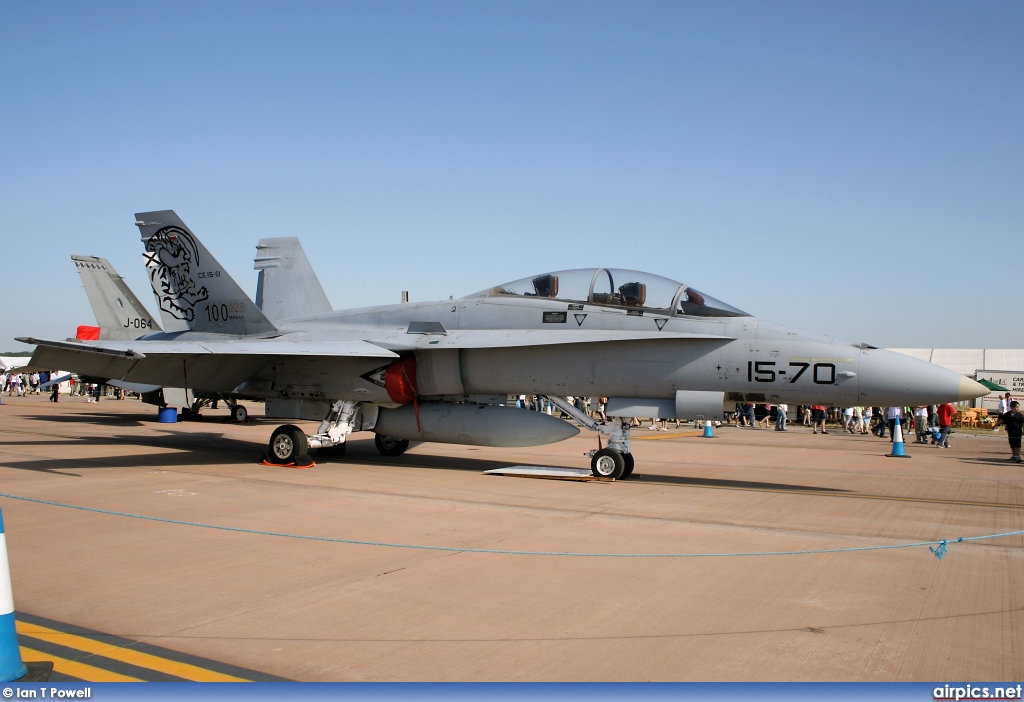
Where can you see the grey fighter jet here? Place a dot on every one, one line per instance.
(441, 371)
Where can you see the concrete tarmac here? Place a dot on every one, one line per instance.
(317, 610)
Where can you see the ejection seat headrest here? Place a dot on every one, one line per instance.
(546, 285)
(633, 294)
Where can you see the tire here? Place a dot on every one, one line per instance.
(607, 463)
(390, 446)
(628, 460)
(239, 413)
(288, 443)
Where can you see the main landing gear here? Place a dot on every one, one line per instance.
(290, 446)
(390, 446)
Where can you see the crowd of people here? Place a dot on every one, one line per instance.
(17, 384)
(20, 384)
(928, 424)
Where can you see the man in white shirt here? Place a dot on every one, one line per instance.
(1004, 403)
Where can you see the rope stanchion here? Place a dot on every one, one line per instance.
(506, 552)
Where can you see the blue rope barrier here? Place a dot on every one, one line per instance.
(939, 552)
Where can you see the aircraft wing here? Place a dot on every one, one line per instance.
(507, 338)
(213, 365)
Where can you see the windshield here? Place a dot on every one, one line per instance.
(616, 287)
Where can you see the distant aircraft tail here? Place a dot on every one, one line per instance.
(119, 313)
(193, 290)
(287, 286)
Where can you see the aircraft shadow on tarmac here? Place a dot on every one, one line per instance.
(685, 481)
(113, 419)
(202, 448)
(212, 448)
(122, 419)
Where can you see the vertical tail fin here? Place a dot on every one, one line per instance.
(119, 314)
(287, 287)
(193, 290)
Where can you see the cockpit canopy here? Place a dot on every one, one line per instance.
(616, 287)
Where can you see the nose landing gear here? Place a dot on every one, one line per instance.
(615, 461)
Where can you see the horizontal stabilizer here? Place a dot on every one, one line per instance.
(227, 347)
(83, 346)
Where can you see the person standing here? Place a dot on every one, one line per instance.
(1014, 423)
(748, 414)
(1004, 404)
(818, 416)
(891, 415)
(921, 424)
(944, 416)
(865, 423)
(848, 419)
(780, 417)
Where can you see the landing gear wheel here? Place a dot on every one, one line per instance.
(239, 413)
(390, 446)
(628, 460)
(607, 463)
(287, 444)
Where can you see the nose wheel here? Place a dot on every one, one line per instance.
(608, 463)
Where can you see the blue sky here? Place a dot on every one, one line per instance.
(852, 168)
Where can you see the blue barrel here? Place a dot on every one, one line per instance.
(167, 415)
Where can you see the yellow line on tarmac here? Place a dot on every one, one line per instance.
(125, 655)
(82, 671)
(668, 436)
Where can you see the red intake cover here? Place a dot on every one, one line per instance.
(87, 333)
(400, 380)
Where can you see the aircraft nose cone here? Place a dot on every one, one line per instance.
(970, 389)
(888, 378)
